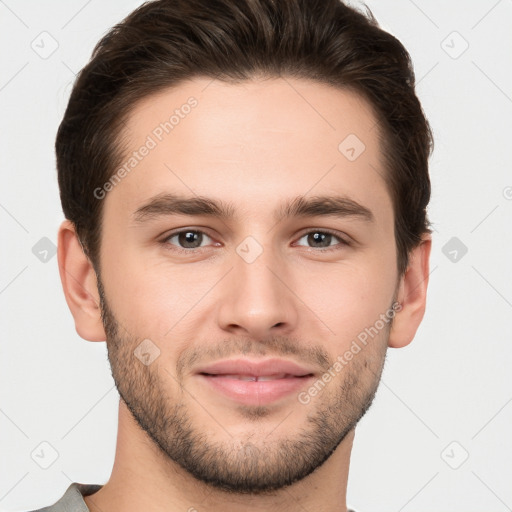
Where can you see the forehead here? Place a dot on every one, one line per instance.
(248, 141)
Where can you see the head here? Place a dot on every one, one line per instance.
(257, 125)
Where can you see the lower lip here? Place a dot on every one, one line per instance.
(256, 392)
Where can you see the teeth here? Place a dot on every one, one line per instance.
(253, 378)
(241, 377)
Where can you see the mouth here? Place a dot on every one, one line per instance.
(255, 382)
(256, 378)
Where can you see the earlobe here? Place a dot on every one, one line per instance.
(412, 295)
(79, 283)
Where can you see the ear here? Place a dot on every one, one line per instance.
(79, 282)
(412, 296)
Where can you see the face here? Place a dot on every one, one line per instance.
(248, 276)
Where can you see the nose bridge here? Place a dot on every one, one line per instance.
(253, 270)
(257, 298)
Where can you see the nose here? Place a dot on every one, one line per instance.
(258, 299)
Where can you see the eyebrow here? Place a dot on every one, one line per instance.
(300, 206)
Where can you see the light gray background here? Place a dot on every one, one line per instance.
(445, 396)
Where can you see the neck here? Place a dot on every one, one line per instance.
(144, 478)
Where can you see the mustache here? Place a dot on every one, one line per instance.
(207, 352)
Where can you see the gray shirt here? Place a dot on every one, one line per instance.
(72, 500)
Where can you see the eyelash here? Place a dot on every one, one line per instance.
(342, 242)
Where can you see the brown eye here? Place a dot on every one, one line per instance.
(321, 239)
(187, 239)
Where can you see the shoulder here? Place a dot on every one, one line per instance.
(72, 500)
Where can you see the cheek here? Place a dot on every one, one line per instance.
(146, 300)
(348, 299)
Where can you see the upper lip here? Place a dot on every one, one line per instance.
(263, 368)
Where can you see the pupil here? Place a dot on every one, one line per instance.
(189, 238)
(323, 238)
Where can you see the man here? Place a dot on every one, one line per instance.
(245, 185)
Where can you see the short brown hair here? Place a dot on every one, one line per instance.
(165, 42)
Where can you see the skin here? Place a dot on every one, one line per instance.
(254, 145)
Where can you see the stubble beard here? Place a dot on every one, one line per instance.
(253, 465)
